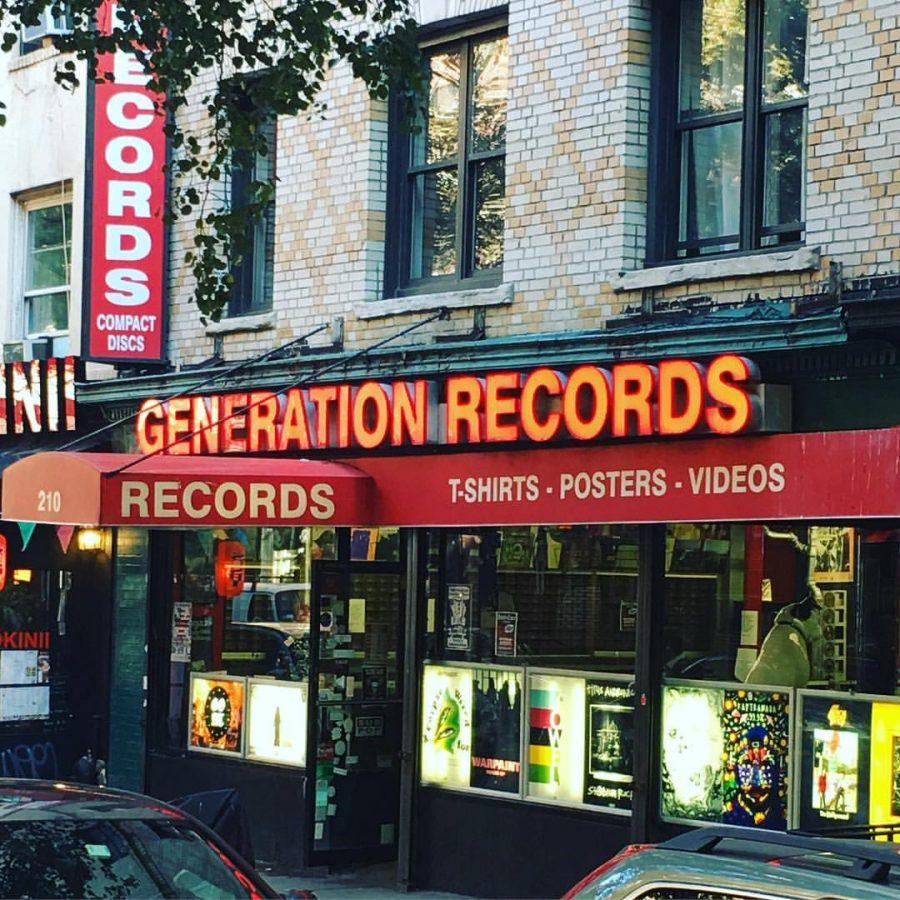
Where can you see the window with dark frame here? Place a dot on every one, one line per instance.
(451, 178)
(254, 273)
(733, 108)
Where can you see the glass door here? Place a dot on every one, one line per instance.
(357, 689)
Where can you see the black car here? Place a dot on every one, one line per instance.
(67, 840)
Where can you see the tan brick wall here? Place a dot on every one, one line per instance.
(576, 179)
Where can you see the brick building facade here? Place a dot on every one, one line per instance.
(578, 134)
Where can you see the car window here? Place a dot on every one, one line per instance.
(673, 892)
(260, 609)
(251, 650)
(289, 607)
(111, 859)
(187, 862)
(70, 859)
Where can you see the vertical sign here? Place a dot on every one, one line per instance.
(125, 198)
(457, 634)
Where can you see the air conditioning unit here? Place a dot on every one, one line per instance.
(37, 348)
(13, 351)
(47, 26)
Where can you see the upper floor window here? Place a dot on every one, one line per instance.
(254, 270)
(48, 267)
(47, 25)
(734, 94)
(452, 170)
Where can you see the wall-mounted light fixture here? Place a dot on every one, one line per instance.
(90, 539)
(21, 576)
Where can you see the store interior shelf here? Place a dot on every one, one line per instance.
(609, 573)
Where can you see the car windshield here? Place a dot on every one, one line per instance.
(114, 858)
(287, 606)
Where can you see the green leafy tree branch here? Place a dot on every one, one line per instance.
(244, 62)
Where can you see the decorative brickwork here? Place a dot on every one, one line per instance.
(576, 180)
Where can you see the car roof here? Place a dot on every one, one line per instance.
(265, 587)
(30, 800)
(731, 875)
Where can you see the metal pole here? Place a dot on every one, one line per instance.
(410, 719)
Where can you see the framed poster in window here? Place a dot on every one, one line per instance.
(446, 730)
(609, 742)
(834, 760)
(724, 754)
(496, 730)
(556, 737)
(834, 553)
(216, 722)
(276, 721)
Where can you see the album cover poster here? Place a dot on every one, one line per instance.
(446, 736)
(834, 761)
(217, 714)
(609, 743)
(756, 730)
(692, 758)
(496, 730)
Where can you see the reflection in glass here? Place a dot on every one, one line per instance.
(712, 56)
(784, 50)
(439, 138)
(489, 95)
(48, 313)
(785, 165)
(490, 206)
(49, 247)
(434, 224)
(711, 184)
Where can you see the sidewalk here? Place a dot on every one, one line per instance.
(369, 883)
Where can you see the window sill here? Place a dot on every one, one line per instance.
(26, 60)
(501, 295)
(803, 259)
(257, 322)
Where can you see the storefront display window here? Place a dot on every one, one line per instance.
(25, 657)
(764, 622)
(724, 755)
(782, 604)
(240, 640)
(531, 632)
(849, 760)
(563, 597)
(576, 732)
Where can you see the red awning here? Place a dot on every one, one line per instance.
(93, 489)
(825, 475)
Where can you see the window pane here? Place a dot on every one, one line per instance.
(711, 185)
(572, 591)
(712, 56)
(49, 250)
(434, 224)
(439, 138)
(48, 312)
(490, 206)
(47, 268)
(784, 50)
(49, 227)
(784, 175)
(489, 95)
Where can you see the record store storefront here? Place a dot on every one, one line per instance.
(514, 617)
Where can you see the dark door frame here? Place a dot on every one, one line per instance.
(343, 567)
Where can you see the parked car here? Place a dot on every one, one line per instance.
(267, 648)
(727, 863)
(68, 840)
(266, 602)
